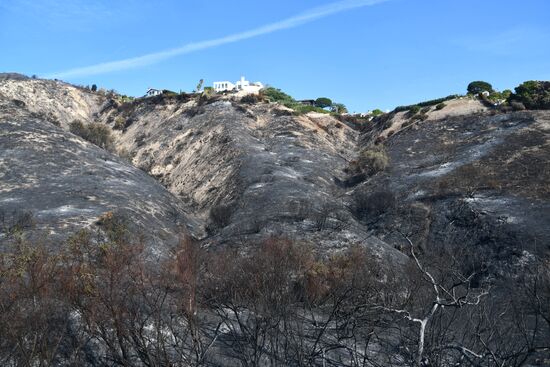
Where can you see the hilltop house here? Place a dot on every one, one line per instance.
(241, 85)
(307, 102)
(153, 92)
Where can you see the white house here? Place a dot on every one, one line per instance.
(241, 85)
(152, 92)
(223, 86)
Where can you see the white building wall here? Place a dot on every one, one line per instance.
(223, 86)
(242, 85)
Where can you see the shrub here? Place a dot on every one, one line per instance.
(20, 221)
(479, 86)
(517, 106)
(376, 112)
(323, 102)
(276, 95)
(374, 160)
(440, 106)
(95, 133)
(413, 110)
(120, 123)
(220, 215)
(369, 206)
(300, 109)
(250, 99)
(94, 88)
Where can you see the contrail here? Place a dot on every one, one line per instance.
(153, 58)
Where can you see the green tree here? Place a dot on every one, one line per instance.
(323, 102)
(94, 88)
(377, 112)
(533, 94)
(199, 86)
(338, 108)
(479, 86)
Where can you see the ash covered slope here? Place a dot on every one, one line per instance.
(249, 170)
(463, 174)
(478, 180)
(66, 183)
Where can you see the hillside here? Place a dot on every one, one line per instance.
(54, 183)
(254, 234)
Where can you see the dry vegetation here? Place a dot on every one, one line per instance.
(100, 301)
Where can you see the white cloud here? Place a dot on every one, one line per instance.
(153, 58)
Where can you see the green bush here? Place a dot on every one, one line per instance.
(377, 112)
(440, 106)
(413, 110)
(301, 109)
(533, 94)
(276, 95)
(95, 133)
(479, 86)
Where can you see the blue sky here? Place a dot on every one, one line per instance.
(364, 53)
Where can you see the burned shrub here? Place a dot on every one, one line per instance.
(140, 139)
(220, 215)
(369, 207)
(250, 99)
(18, 221)
(19, 103)
(329, 216)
